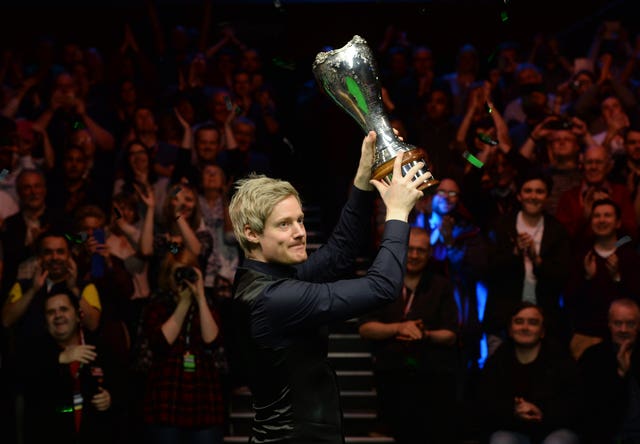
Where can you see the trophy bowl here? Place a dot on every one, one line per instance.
(349, 75)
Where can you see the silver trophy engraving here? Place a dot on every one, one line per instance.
(349, 76)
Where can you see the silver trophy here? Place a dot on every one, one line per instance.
(349, 76)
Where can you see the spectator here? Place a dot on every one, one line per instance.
(530, 261)
(183, 400)
(610, 373)
(529, 391)
(415, 352)
(73, 385)
(603, 269)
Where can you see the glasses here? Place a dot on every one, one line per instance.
(449, 193)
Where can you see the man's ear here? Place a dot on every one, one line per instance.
(251, 235)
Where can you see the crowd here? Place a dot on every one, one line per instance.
(519, 314)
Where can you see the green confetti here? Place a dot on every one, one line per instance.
(356, 92)
(473, 160)
(504, 16)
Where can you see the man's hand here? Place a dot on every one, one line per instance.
(624, 358)
(527, 411)
(39, 277)
(367, 152)
(409, 330)
(78, 353)
(102, 400)
(401, 193)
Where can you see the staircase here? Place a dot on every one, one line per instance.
(350, 357)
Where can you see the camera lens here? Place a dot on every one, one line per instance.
(185, 274)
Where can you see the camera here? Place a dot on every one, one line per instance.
(182, 274)
(561, 123)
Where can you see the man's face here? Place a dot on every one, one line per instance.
(564, 144)
(533, 195)
(244, 134)
(632, 146)
(32, 191)
(446, 198)
(207, 145)
(418, 252)
(604, 221)
(438, 105)
(144, 121)
(284, 240)
(213, 178)
(61, 317)
(74, 164)
(55, 255)
(596, 165)
(526, 328)
(624, 323)
(611, 107)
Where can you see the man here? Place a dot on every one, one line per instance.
(604, 269)
(529, 391)
(68, 394)
(415, 357)
(627, 167)
(22, 229)
(284, 301)
(574, 205)
(529, 262)
(611, 371)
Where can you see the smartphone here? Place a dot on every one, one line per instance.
(97, 261)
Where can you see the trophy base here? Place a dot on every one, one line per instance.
(409, 159)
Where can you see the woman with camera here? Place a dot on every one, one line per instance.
(183, 398)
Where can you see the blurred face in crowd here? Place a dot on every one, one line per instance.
(437, 106)
(32, 191)
(144, 121)
(138, 158)
(610, 108)
(218, 106)
(597, 165)
(54, 254)
(446, 197)
(186, 200)
(83, 139)
(422, 61)
(74, 164)
(244, 134)
(527, 328)
(242, 84)
(563, 144)
(632, 146)
(532, 196)
(128, 94)
(207, 144)
(604, 220)
(624, 322)
(418, 252)
(213, 178)
(62, 318)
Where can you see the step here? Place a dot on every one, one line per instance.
(348, 342)
(355, 379)
(350, 360)
(355, 423)
(348, 439)
(350, 400)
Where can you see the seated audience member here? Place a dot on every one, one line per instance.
(529, 390)
(71, 382)
(611, 375)
(604, 269)
(529, 261)
(574, 205)
(415, 352)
